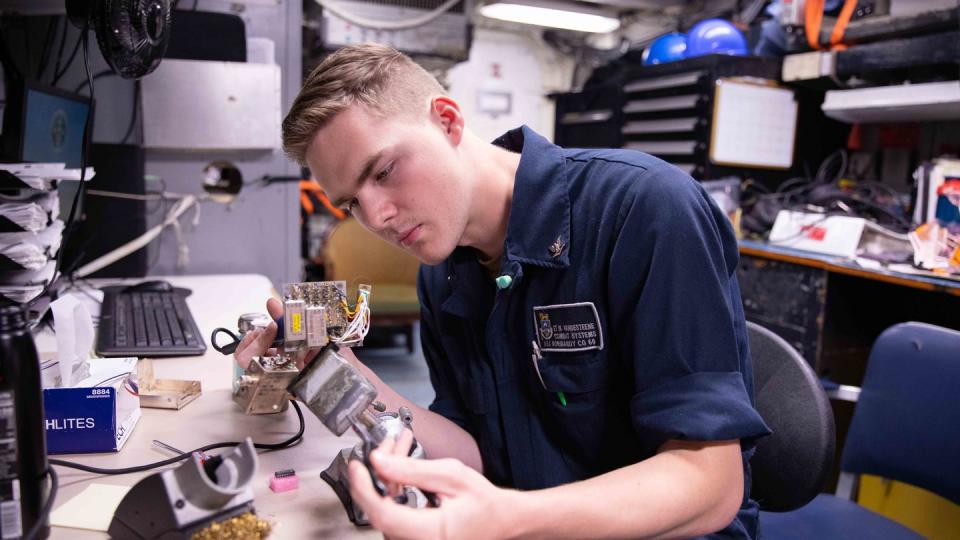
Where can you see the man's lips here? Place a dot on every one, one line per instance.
(410, 236)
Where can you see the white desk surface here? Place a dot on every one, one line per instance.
(312, 511)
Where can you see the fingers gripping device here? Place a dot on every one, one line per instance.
(317, 317)
(314, 314)
(342, 398)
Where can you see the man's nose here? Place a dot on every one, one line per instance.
(378, 210)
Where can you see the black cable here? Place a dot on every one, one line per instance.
(133, 112)
(73, 54)
(70, 224)
(158, 247)
(7, 59)
(47, 506)
(229, 348)
(825, 166)
(73, 285)
(63, 42)
(268, 179)
(47, 49)
(26, 47)
(127, 470)
(99, 75)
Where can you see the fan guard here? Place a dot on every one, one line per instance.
(132, 34)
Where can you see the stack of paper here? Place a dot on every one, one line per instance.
(30, 228)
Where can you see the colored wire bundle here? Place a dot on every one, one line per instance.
(359, 320)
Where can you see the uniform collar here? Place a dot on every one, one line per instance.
(538, 231)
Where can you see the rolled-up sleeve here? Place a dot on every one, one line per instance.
(700, 406)
(679, 317)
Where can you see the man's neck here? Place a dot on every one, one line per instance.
(492, 195)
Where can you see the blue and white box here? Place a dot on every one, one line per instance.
(98, 413)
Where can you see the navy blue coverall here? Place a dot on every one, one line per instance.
(616, 323)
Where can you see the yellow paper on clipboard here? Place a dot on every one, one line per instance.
(754, 124)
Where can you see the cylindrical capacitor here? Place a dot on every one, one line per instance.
(249, 321)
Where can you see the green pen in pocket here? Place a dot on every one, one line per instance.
(536, 356)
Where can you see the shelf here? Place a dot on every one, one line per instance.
(888, 26)
(901, 103)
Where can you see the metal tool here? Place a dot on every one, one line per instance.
(167, 447)
(341, 397)
(164, 446)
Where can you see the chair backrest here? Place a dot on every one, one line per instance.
(906, 425)
(791, 465)
(357, 255)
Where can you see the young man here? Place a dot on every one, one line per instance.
(580, 318)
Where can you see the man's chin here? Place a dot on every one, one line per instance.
(430, 261)
(429, 257)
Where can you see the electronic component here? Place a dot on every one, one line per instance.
(337, 393)
(294, 323)
(262, 389)
(250, 321)
(285, 480)
(341, 397)
(315, 314)
(317, 326)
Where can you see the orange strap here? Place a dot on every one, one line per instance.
(845, 14)
(305, 202)
(813, 17)
(311, 186)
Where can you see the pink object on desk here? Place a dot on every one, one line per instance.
(285, 480)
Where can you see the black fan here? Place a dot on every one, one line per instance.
(133, 34)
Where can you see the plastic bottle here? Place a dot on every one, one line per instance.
(23, 441)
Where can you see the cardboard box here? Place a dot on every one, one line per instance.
(98, 413)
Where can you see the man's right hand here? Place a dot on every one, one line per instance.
(257, 342)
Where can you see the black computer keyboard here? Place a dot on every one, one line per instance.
(147, 323)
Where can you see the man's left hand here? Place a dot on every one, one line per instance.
(470, 506)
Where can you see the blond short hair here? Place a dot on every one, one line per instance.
(379, 77)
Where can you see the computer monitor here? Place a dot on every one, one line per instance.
(42, 124)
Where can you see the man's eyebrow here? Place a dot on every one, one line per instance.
(367, 170)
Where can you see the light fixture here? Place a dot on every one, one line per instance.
(563, 15)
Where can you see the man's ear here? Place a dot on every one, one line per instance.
(445, 112)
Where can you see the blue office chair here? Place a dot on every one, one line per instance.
(790, 466)
(906, 427)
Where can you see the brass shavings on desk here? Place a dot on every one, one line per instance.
(243, 527)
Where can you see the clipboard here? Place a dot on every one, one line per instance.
(754, 124)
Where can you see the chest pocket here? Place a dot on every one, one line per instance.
(577, 374)
(577, 391)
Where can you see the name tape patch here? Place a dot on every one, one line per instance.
(568, 327)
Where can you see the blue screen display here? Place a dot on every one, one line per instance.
(53, 128)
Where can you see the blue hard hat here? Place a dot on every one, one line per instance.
(666, 48)
(715, 36)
